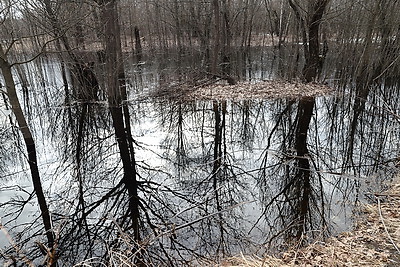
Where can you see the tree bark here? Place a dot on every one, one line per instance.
(312, 65)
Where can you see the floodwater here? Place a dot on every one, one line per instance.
(216, 178)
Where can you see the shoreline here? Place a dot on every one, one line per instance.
(374, 240)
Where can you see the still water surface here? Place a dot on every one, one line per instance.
(224, 174)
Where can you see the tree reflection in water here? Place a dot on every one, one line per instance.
(214, 177)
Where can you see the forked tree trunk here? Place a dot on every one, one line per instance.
(30, 147)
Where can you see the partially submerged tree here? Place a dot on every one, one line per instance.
(31, 151)
(117, 95)
(297, 186)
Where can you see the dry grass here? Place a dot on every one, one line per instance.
(247, 261)
(244, 91)
(375, 241)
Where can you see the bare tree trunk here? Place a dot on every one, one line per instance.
(30, 148)
(363, 81)
(138, 44)
(178, 25)
(306, 107)
(82, 72)
(57, 30)
(303, 28)
(217, 37)
(313, 65)
(120, 116)
(217, 172)
(227, 42)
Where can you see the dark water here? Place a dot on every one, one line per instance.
(216, 178)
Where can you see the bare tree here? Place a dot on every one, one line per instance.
(115, 82)
(25, 130)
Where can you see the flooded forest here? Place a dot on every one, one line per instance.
(170, 132)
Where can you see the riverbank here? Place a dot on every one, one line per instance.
(374, 241)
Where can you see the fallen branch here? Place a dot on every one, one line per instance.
(15, 246)
(384, 226)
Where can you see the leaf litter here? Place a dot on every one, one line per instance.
(271, 89)
(374, 241)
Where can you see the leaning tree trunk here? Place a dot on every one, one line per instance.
(30, 148)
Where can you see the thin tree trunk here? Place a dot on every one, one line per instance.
(217, 37)
(30, 147)
(363, 81)
(138, 44)
(217, 172)
(83, 73)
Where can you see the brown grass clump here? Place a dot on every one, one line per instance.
(375, 241)
(244, 91)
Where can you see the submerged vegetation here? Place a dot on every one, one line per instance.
(178, 133)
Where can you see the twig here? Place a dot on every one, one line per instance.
(384, 225)
(386, 195)
(179, 227)
(15, 246)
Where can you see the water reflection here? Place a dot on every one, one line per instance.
(214, 177)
